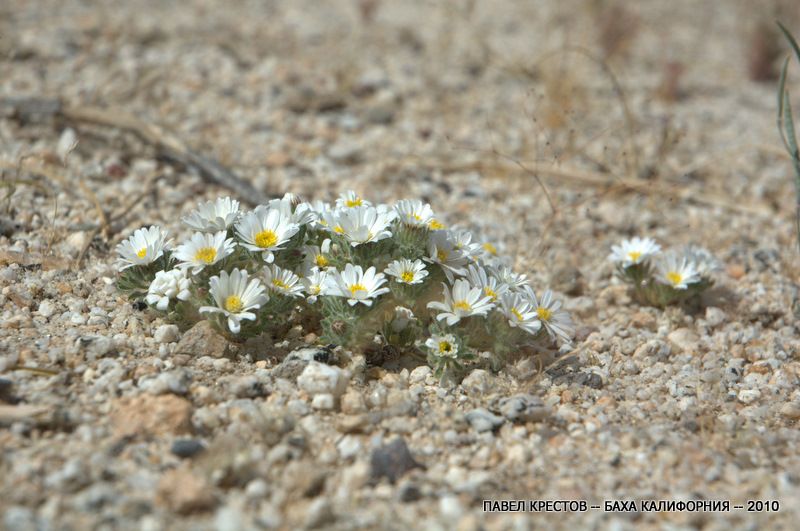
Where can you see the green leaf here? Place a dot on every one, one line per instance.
(782, 97)
(791, 40)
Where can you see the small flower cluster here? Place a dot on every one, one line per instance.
(360, 272)
(661, 278)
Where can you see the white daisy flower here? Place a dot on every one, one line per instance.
(556, 321)
(676, 272)
(350, 199)
(321, 211)
(144, 247)
(634, 251)
(402, 318)
(316, 256)
(291, 209)
(167, 285)
(358, 285)
(235, 297)
(491, 287)
(282, 281)
(443, 346)
(704, 262)
(407, 272)
(413, 212)
(465, 301)
(442, 251)
(462, 241)
(435, 224)
(316, 284)
(361, 224)
(265, 230)
(203, 250)
(489, 251)
(520, 312)
(515, 281)
(213, 216)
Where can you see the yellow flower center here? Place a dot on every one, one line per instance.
(142, 252)
(517, 314)
(674, 277)
(489, 248)
(436, 225)
(634, 255)
(407, 277)
(205, 254)
(278, 283)
(266, 238)
(489, 292)
(354, 202)
(441, 255)
(233, 304)
(543, 313)
(338, 229)
(314, 290)
(445, 347)
(355, 288)
(416, 217)
(462, 305)
(321, 261)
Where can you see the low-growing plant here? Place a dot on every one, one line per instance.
(362, 273)
(662, 278)
(786, 122)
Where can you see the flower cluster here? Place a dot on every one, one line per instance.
(364, 274)
(661, 278)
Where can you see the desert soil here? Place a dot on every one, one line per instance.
(477, 108)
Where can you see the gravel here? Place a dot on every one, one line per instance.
(136, 423)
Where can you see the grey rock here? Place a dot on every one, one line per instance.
(94, 347)
(257, 489)
(683, 339)
(203, 340)
(186, 448)
(391, 461)
(654, 348)
(409, 492)
(168, 333)
(6, 391)
(564, 370)
(382, 113)
(70, 478)
(318, 378)
(19, 519)
(589, 379)
(323, 401)
(46, 308)
(714, 316)
(176, 381)
(483, 420)
(523, 408)
(346, 152)
(295, 362)
(419, 374)
(319, 514)
(249, 386)
(349, 446)
(478, 381)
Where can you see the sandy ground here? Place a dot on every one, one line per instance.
(478, 108)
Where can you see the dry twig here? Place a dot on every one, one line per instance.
(167, 144)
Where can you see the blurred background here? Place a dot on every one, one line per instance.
(568, 104)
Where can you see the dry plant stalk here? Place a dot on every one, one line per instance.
(786, 121)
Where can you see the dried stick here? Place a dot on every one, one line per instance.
(575, 176)
(167, 144)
